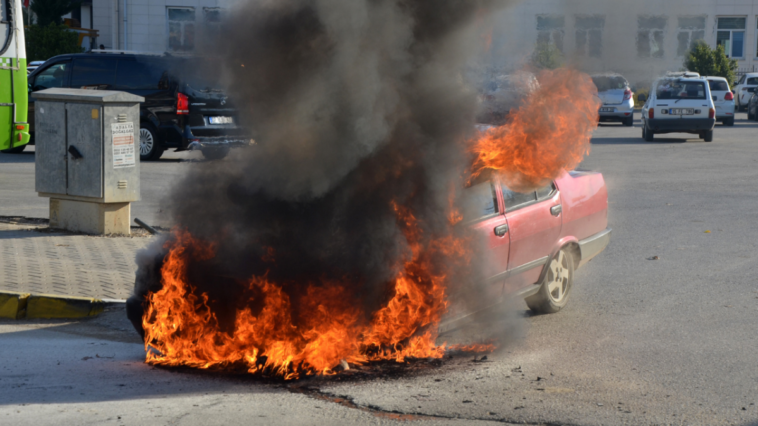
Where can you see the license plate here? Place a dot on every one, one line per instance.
(221, 120)
(606, 109)
(681, 111)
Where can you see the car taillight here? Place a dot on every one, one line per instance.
(729, 96)
(182, 104)
(711, 113)
(628, 94)
(651, 113)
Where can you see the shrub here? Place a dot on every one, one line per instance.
(546, 56)
(711, 62)
(43, 43)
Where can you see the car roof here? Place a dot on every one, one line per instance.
(751, 74)
(715, 78)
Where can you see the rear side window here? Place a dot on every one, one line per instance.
(479, 201)
(54, 76)
(718, 85)
(139, 75)
(513, 199)
(545, 192)
(97, 73)
(752, 80)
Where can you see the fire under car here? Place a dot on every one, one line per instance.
(536, 240)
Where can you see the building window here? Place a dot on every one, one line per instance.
(731, 35)
(689, 31)
(589, 35)
(650, 34)
(551, 29)
(181, 29)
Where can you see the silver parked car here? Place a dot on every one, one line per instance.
(504, 93)
(616, 97)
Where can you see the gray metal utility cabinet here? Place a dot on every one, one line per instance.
(87, 157)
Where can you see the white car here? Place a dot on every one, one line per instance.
(742, 96)
(616, 97)
(503, 94)
(723, 100)
(679, 105)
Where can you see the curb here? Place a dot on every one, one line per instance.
(31, 306)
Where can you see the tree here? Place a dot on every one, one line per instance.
(547, 56)
(711, 62)
(43, 43)
(52, 11)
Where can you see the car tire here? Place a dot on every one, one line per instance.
(729, 122)
(16, 150)
(556, 285)
(648, 134)
(150, 148)
(628, 122)
(215, 153)
(749, 115)
(708, 136)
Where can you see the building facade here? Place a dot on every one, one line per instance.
(640, 39)
(157, 26)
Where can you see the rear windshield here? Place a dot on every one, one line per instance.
(198, 78)
(718, 85)
(752, 80)
(676, 89)
(604, 83)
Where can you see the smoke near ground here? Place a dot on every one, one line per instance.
(358, 107)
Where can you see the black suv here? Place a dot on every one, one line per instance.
(182, 110)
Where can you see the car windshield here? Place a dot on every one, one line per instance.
(677, 89)
(718, 85)
(604, 83)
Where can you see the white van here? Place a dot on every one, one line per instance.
(679, 105)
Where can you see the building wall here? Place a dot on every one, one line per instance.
(147, 27)
(622, 30)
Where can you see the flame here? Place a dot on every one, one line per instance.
(549, 133)
(181, 328)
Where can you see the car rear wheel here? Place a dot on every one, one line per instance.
(16, 150)
(628, 122)
(708, 136)
(554, 291)
(149, 146)
(647, 134)
(749, 115)
(729, 121)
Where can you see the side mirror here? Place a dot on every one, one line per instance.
(641, 97)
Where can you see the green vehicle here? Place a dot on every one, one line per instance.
(14, 97)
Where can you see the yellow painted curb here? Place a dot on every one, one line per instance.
(13, 305)
(22, 305)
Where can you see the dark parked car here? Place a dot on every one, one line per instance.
(752, 106)
(182, 110)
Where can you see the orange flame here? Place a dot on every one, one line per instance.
(548, 134)
(182, 329)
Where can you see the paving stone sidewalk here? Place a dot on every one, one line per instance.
(34, 259)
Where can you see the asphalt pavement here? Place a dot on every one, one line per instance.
(660, 328)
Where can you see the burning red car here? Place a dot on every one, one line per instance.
(536, 240)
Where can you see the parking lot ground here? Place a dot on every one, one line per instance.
(660, 329)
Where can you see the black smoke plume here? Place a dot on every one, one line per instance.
(355, 105)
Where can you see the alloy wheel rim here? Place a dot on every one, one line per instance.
(146, 141)
(558, 277)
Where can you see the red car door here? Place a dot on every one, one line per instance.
(534, 222)
(483, 213)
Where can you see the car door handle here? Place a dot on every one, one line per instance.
(501, 230)
(556, 210)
